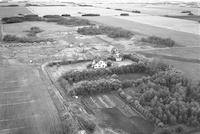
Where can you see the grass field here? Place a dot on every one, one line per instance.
(13, 11)
(72, 10)
(185, 39)
(152, 9)
(186, 17)
(20, 29)
(183, 52)
(166, 22)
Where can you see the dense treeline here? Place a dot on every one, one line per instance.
(161, 42)
(14, 39)
(140, 67)
(17, 19)
(91, 14)
(72, 21)
(95, 87)
(112, 32)
(170, 97)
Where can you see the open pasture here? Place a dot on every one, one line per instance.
(186, 17)
(166, 22)
(183, 52)
(13, 11)
(182, 38)
(152, 9)
(20, 29)
(72, 10)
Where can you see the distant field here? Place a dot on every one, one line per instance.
(186, 17)
(185, 39)
(13, 11)
(166, 22)
(183, 52)
(20, 29)
(72, 10)
(152, 9)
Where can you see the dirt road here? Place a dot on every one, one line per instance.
(25, 104)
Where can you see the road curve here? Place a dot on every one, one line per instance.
(25, 104)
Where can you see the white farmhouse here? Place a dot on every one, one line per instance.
(99, 64)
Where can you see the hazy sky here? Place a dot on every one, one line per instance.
(112, 1)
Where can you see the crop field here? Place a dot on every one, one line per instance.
(190, 70)
(13, 11)
(183, 52)
(166, 22)
(151, 9)
(186, 17)
(72, 10)
(20, 29)
(182, 38)
(115, 113)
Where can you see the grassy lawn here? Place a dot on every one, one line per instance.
(13, 11)
(185, 39)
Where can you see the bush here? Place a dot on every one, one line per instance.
(91, 14)
(21, 19)
(66, 15)
(51, 16)
(109, 31)
(167, 42)
(12, 20)
(32, 18)
(136, 11)
(94, 87)
(124, 14)
(72, 21)
(15, 39)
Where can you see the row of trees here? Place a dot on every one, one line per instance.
(141, 67)
(160, 42)
(17, 19)
(95, 87)
(112, 32)
(73, 21)
(15, 39)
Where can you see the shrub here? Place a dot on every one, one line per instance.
(124, 14)
(15, 39)
(118, 9)
(12, 20)
(98, 86)
(159, 41)
(91, 14)
(109, 31)
(72, 21)
(136, 11)
(51, 16)
(66, 15)
(32, 18)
